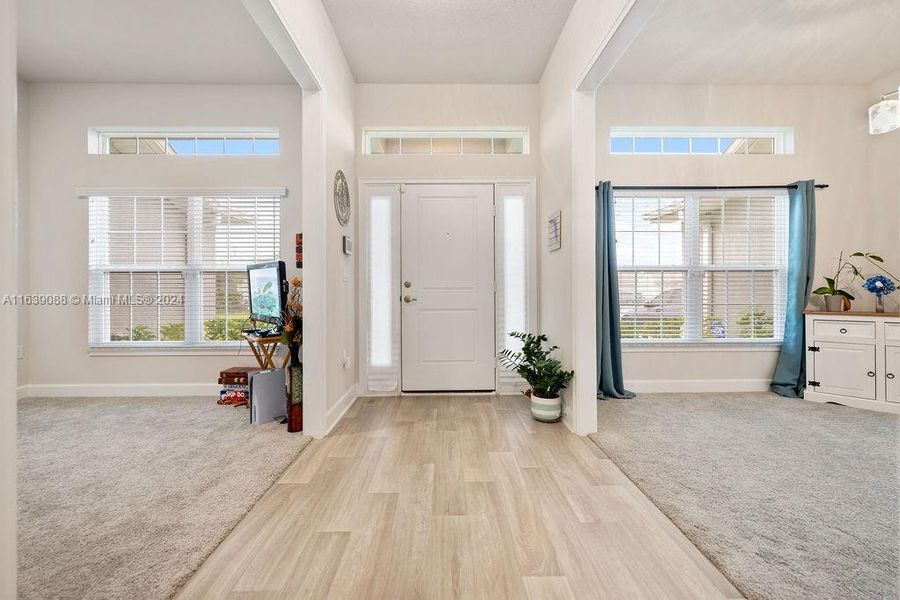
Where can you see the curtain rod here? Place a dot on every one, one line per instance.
(820, 186)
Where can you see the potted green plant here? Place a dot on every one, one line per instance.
(544, 374)
(836, 298)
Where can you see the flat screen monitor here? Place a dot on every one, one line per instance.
(268, 291)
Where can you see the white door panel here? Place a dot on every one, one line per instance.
(447, 256)
(845, 369)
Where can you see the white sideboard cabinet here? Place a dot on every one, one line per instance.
(853, 358)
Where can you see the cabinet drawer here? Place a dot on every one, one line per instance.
(859, 330)
(892, 332)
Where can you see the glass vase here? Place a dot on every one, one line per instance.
(879, 304)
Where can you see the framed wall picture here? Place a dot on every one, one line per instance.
(298, 249)
(554, 231)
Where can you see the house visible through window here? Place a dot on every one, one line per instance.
(171, 270)
(701, 267)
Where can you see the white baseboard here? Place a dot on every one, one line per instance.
(337, 411)
(100, 390)
(655, 386)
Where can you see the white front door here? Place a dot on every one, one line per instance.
(447, 288)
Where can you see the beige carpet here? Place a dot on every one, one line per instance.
(790, 499)
(125, 497)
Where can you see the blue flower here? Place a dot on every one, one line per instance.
(879, 285)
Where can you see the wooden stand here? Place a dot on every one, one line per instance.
(264, 349)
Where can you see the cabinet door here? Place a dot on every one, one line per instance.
(892, 373)
(845, 369)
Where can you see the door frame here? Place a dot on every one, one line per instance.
(503, 382)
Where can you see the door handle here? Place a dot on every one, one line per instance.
(871, 373)
(843, 330)
(890, 375)
(409, 299)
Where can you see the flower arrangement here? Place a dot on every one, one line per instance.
(878, 282)
(292, 330)
(879, 285)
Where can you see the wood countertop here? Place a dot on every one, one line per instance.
(851, 313)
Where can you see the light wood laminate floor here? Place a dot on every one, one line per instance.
(454, 497)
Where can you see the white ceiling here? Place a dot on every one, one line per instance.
(448, 41)
(144, 41)
(765, 41)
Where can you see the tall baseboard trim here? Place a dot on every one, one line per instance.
(100, 390)
(654, 386)
(337, 411)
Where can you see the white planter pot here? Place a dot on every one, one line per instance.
(547, 410)
(834, 303)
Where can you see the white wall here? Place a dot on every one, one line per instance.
(328, 145)
(8, 286)
(832, 145)
(57, 244)
(447, 105)
(588, 25)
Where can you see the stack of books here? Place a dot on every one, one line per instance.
(235, 382)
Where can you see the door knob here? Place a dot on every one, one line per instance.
(409, 299)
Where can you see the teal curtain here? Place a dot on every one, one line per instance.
(790, 372)
(609, 335)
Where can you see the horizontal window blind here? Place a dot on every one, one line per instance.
(172, 270)
(701, 267)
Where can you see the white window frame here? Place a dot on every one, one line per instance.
(431, 133)
(386, 380)
(98, 138)
(98, 337)
(694, 271)
(783, 136)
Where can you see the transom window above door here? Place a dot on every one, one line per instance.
(701, 267)
(445, 141)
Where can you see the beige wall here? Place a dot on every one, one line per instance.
(447, 105)
(585, 30)
(22, 183)
(59, 116)
(883, 162)
(8, 286)
(328, 144)
(857, 211)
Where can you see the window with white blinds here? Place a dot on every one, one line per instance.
(171, 270)
(701, 267)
